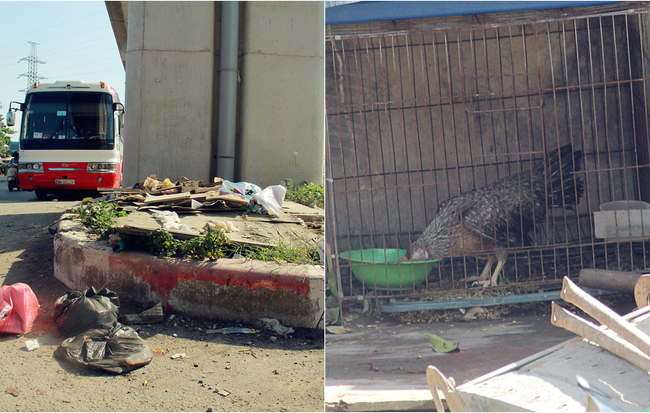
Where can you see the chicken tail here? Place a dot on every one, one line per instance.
(564, 187)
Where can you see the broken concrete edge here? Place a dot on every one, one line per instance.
(226, 289)
(346, 398)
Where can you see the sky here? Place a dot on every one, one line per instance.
(75, 40)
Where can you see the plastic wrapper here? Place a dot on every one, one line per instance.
(242, 188)
(271, 198)
(78, 311)
(116, 350)
(273, 324)
(167, 184)
(19, 308)
(170, 220)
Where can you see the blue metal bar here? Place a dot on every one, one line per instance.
(367, 11)
(404, 306)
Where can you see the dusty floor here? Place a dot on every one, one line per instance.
(218, 372)
(391, 351)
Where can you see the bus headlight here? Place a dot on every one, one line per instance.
(101, 167)
(31, 167)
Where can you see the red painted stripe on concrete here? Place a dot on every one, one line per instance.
(163, 275)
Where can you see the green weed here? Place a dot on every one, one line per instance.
(209, 245)
(283, 253)
(306, 193)
(98, 216)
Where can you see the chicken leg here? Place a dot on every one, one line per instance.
(484, 279)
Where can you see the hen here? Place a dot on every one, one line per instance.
(485, 222)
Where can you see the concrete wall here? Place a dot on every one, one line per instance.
(172, 64)
(170, 76)
(282, 109)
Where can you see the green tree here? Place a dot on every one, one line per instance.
(5, 138)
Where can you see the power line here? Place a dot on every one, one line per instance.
(49, 27)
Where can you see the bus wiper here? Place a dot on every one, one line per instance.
(51, 136)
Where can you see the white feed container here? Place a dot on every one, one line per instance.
(623, 221)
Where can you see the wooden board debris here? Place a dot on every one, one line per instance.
(254, 229)
(167, 198)
(552, 374)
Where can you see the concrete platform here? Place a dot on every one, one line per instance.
(226, 289)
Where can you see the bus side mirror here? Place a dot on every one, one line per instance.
(118, 107)
(11, 115)
(11, 118)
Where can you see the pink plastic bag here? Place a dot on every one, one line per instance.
(18, 308)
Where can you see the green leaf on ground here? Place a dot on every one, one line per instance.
(441, 345)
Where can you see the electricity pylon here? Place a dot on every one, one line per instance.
(32, 69)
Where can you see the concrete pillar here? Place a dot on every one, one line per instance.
(170, 90)
(282, 92)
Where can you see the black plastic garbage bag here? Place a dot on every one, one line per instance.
(77, 311)
(116, 350)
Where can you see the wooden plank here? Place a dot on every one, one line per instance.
(552, 374)
(254, 230)
(167, 198)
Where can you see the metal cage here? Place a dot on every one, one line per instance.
(424, 110)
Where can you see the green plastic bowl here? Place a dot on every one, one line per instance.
(382, 268)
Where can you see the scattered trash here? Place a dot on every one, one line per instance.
(13, 391)
(273, 339)
(223, 393)
(226, 226)
(273, 324)
(337, 329)
(178, 356)
(270, 199)
(32, 345)
(242, 188)
(157, 351)
(167, 184)
(170, 220)
(471, 313)
(117, 248)
(150, 183)
(441, 345)
(116, 350)
(77, 311)
(114, 239)
(150, 316)
(232, 330)
(19, 308)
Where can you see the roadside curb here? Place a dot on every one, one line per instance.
(226, 289)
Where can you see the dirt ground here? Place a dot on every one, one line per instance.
(247, 372)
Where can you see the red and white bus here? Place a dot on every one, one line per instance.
(70, 137)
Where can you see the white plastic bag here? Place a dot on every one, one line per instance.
(271, 198)
(274, 324)
(170, 220)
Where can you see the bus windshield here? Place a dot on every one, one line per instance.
(67, 120)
